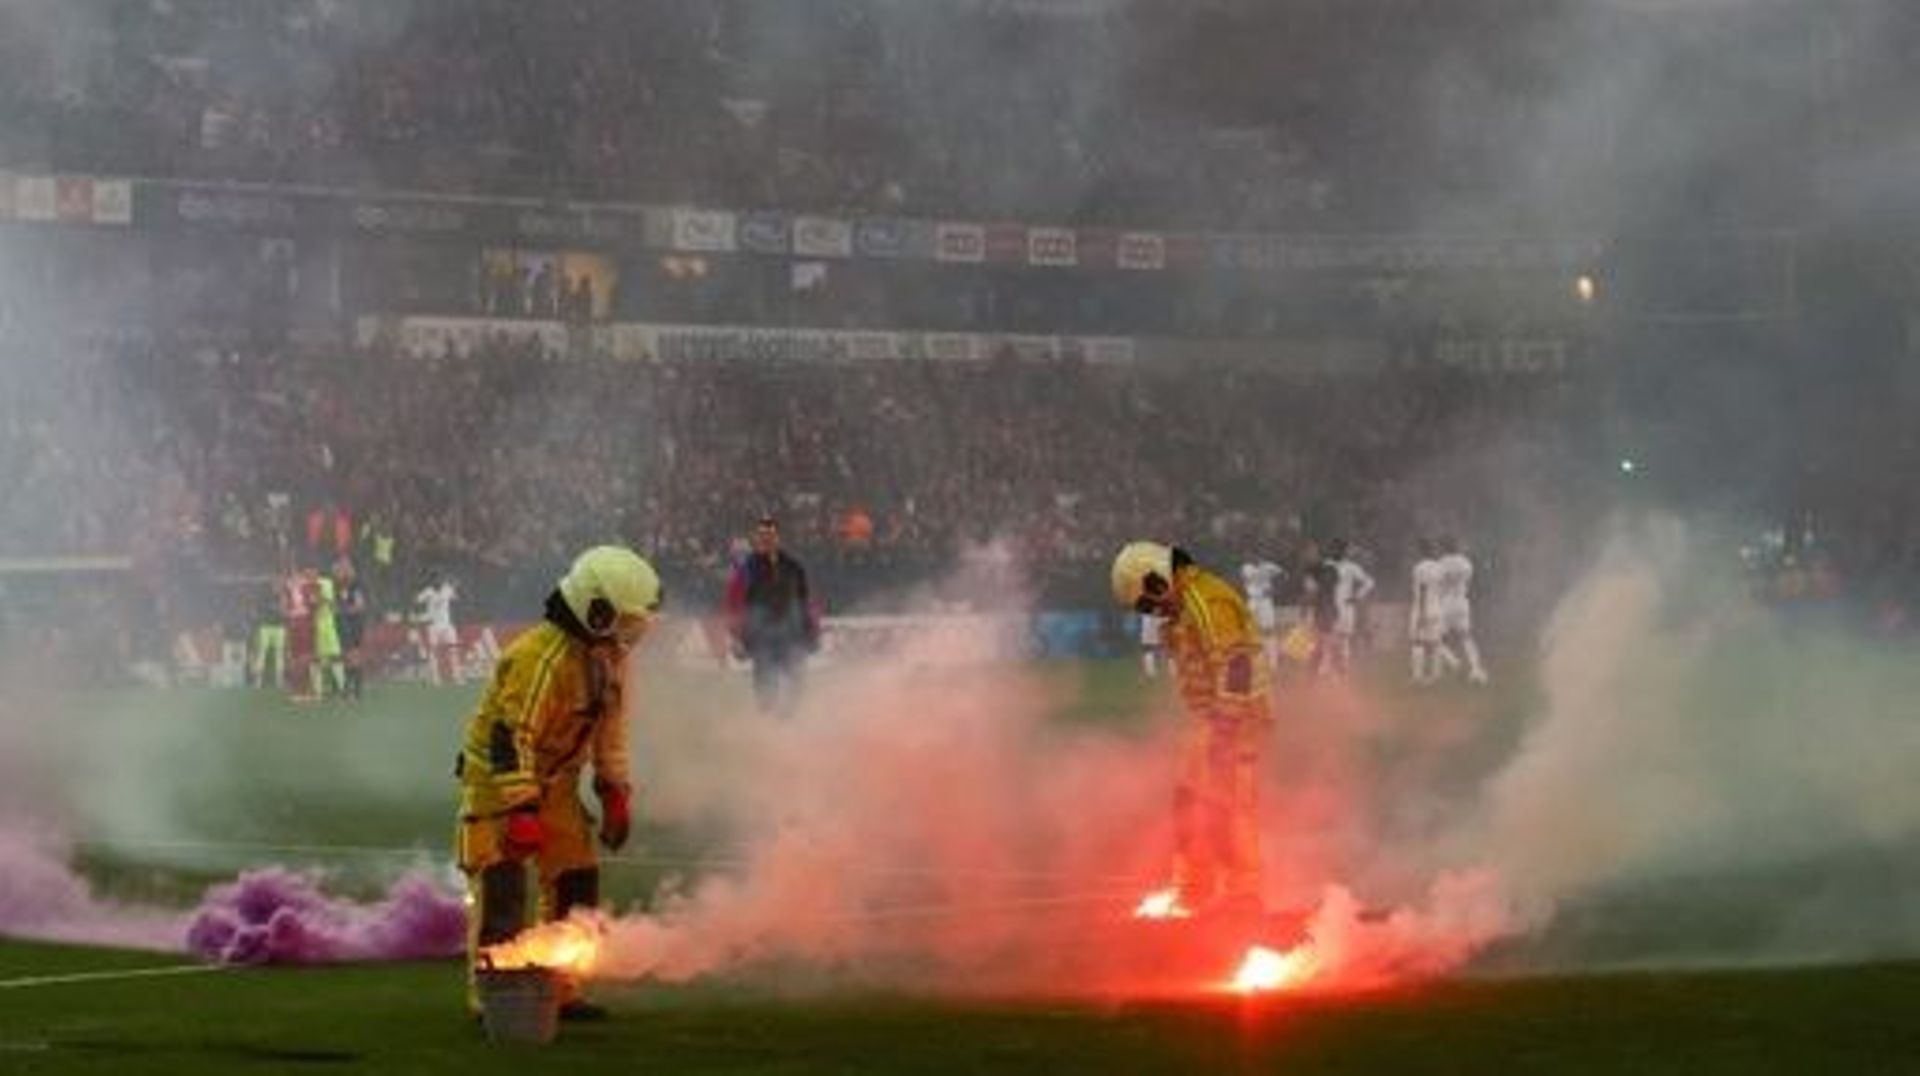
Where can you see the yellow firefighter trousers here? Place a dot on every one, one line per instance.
(480, 845)
(1217, 810)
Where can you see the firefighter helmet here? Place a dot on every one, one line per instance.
(609, 584)
(1142, 574)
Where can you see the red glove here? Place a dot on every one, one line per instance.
(616, 813)
(525, 835)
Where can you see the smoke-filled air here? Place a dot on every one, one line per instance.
(1089, 499)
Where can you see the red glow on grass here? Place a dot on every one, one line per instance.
(1265, 970)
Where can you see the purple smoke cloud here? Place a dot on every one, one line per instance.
(279, 916)
(42, 898)
(273, 915)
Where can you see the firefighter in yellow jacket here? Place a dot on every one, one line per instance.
(1215, 647)
(555, 705)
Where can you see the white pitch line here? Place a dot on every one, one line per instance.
(109, 976)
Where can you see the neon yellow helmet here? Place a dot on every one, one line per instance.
(1137, 563)
(609, 583)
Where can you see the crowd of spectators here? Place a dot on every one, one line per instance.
(1310, 114)
(505, 462)
(228, 459)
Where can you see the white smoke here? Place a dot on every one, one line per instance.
(1691, 735)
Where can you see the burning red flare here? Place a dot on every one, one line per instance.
(570, 945)
(1263, 970)
(1162, 904)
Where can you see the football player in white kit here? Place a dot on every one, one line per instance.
(1430, 651)
(1153, 645)
(435, 603)
(1453, 590)
(1352, 586)
(1259, 580)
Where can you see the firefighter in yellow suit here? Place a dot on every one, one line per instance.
(556, 704)
(1215, 645)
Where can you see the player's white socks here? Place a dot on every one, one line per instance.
(1476, 672)
(1419, 664)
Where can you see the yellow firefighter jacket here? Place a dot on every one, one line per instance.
(1215, 646)
(555, 704)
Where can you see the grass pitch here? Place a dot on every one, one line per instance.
(268, 777)
(399, 1018)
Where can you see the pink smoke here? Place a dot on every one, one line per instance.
(272, 915)
(279, 916)
(933, 827)
(42, 899)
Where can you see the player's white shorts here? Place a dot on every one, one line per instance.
(1263, 617)
(1346, 620)
(1425, 630)
(439, 635)
(1456, 621)
(1150, 632)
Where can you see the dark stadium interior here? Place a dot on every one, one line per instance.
(1494, 274)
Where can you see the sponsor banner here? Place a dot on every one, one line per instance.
(1107, 349)
(919, 240)
(34, 198)
(431, 337)
(383, 216)
(1028, 347)
(880, 237)
(657, 227)
(705, 230)
(1007, 243)
(1098, 248)
(1528, 355)
(164, 205)
(1141, 250)
(822, 237)
(632, 342)
(879, 345)
(701, 343)
(954, 347)
(236, 210)
(957, 242)
(92, 200)
(112, 201)
(641, 342)
(1186, 250)
(1225, 251)
(1052, 246)
(73, 199)
(588, 225)
(1413, 253)
(764, 233)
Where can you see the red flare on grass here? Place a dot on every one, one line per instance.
(1265, 970)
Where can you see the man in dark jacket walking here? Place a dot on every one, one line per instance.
(771, 619)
